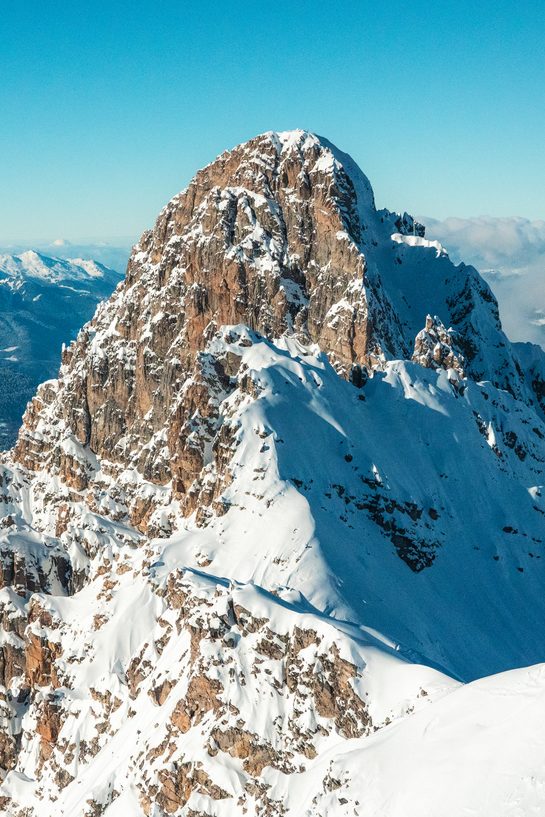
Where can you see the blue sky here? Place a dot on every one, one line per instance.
(109, 108)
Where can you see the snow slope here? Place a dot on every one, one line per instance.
(333, 505)
(474, 751)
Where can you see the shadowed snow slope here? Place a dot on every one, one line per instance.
(281, 507)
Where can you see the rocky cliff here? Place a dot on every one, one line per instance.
(295, 412)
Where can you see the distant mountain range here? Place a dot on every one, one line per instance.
(44, 301)
(114, 254)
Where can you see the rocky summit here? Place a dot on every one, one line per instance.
(273, 542)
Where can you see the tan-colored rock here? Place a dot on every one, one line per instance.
(178, 784)
(160, 693)
(8, 752)
(40, 657)
(48, 726)
(201, 697)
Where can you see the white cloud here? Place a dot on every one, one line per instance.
(510, 254)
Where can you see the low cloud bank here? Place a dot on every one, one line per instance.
(510, 254)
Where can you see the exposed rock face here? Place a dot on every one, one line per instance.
(244, 407)
(435, 347)
(312, 676)
(280, 234)
(268, 236)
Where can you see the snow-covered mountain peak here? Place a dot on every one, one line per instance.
(285, 495)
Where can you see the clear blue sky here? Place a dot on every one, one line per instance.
(108, 108)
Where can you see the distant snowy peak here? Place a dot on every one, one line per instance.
(32, 264)
(44, 302)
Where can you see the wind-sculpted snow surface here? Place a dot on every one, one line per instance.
(281, 507)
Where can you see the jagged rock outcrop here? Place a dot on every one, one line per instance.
(435, 348)
(268, 236)
(239, 456)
